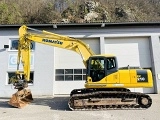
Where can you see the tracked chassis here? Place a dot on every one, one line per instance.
(98, 99)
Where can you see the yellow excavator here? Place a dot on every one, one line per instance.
(106, 85)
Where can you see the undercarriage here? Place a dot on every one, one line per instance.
(99, 99)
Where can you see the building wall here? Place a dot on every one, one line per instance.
(5, 89)
(44, 56)
(155, 51)
(42, 66)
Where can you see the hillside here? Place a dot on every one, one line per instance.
(78, 11)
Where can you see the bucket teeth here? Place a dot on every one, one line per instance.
(21, 98)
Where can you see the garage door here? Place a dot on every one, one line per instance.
(69, 68)
(133, 51)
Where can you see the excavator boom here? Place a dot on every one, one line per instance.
(47, 38)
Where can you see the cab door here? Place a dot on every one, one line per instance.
(112, 75)
(96, 69)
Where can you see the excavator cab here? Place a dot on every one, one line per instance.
(101, 66)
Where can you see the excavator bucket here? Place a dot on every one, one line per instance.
(21, 98)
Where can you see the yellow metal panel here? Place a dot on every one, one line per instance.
(133, 75)
(150, 78)
(113, 78)
(124, 76)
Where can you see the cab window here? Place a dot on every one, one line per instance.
(111, 63)
(97, 64)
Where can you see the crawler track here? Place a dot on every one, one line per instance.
(102, 100)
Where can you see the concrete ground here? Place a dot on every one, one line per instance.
(49, 108)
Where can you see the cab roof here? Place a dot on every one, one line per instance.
(104, 55)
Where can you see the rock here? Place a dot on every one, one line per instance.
(90, 16)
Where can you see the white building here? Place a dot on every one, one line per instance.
(58, 71)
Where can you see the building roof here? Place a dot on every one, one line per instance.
(64, 25)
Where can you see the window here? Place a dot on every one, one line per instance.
(12, 74)
(111, 63)
(14, 44)
(70, 74)
(97, 63)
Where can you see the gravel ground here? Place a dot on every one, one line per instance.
(49, 108)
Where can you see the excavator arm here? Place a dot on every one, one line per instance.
(27, 35)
